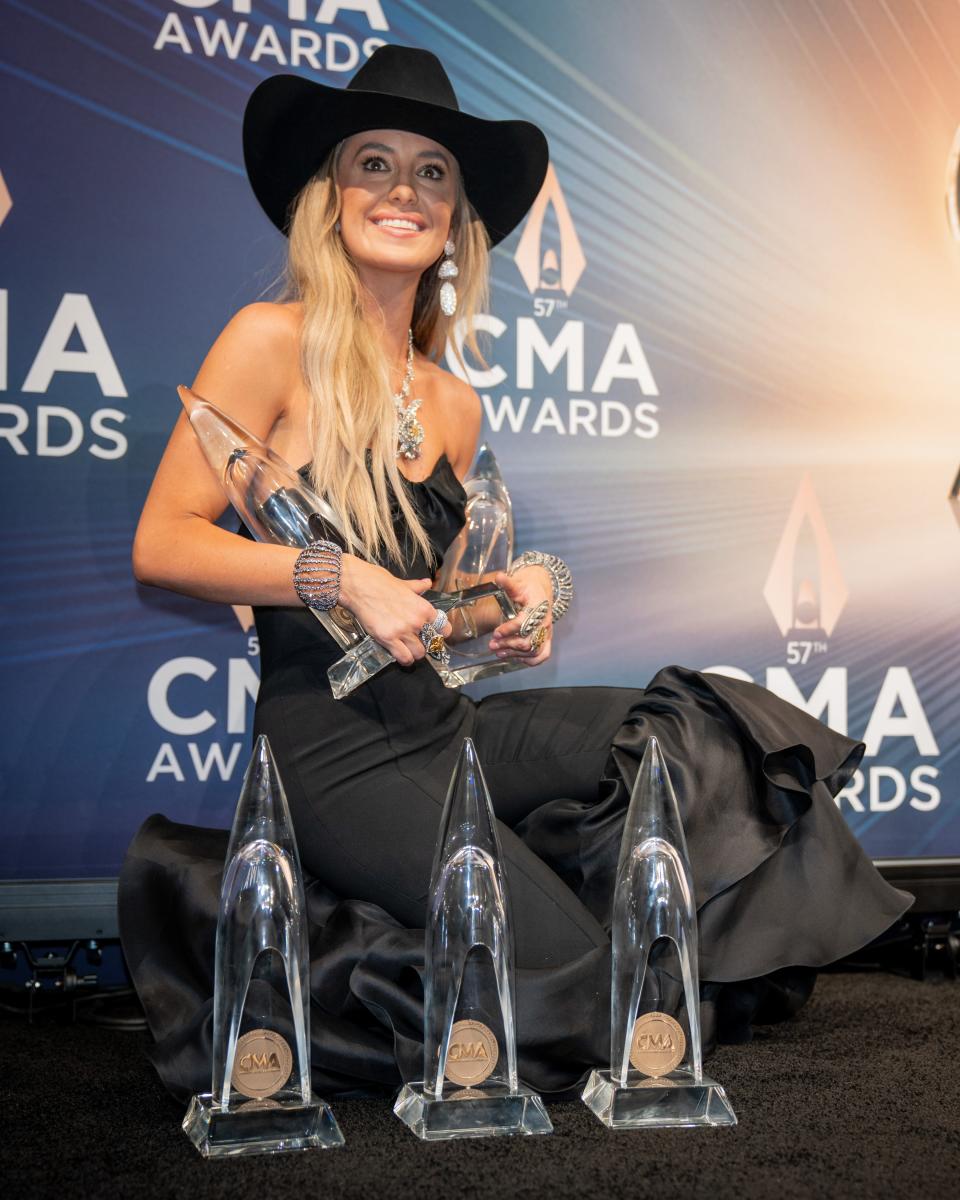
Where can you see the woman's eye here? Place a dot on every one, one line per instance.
(373, 163)
(433, 171)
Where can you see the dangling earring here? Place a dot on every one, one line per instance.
(448, 270)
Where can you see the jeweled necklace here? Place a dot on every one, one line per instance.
(409, 429)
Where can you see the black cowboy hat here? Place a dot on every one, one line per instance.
(291, 124)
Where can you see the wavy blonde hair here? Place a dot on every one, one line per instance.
(346, 371)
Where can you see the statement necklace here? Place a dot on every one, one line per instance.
(409, 429)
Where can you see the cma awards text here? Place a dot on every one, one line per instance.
(260, 41)
(52, 430)
(188, 697)
(622, 361)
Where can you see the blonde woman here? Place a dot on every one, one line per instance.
(390, 195)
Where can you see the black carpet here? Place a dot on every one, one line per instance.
(859, 1096)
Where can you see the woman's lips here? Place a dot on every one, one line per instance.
(397, 226)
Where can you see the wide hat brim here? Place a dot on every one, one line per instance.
(292, 123)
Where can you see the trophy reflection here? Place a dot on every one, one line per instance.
(470, 1086)
(260, 1100)
(656, 1064)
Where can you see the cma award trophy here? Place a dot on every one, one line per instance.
(260, 1100)
(483, 547)
(656, 1067)
(277, 505)
(470, 1086)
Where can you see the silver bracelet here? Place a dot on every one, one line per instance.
(316, 574)
(559, 574)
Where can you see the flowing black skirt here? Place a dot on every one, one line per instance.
(782, 885)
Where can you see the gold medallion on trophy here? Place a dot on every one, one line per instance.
(262, 1064)
(472, 1053)
(658, 1044)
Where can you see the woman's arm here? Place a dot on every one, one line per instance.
(247, 373)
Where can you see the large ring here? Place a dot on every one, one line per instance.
(538, 638)
(534, 618)
(433, 640)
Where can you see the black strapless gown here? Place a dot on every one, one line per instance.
(782, 885)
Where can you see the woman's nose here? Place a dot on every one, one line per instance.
(403, 191)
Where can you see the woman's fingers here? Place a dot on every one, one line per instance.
(508, 629)
(518, 647)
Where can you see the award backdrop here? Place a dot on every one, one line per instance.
(721, 383)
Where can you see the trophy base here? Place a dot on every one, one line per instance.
(455, 676)
(486, 1111)
(673, 1100)
(260, 1127)
(358, 665)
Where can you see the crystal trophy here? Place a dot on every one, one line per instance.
(489, 547)
(260, 1100)
(277, 505)
(470, 1086)
(483, 547)
(656, 1066)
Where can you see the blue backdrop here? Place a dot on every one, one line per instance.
(723, 362)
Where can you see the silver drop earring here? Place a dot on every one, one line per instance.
(448, 270)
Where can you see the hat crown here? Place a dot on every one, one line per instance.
(405, 72)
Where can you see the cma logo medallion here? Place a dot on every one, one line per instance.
(542, 268)
(805, 588)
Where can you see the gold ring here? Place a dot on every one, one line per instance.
(538, 638)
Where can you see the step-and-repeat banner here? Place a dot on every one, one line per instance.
(722, 378)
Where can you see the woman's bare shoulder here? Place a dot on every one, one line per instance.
(252, 368)
(463, 416)
(455, 394)
(268, 325)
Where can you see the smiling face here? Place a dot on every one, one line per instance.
(398, 192)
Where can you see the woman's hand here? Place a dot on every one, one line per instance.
(391, 610)
(529, 587)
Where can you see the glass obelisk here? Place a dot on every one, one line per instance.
(470, 1086)
(483, 547)
(656, 1065)
(260, 1099)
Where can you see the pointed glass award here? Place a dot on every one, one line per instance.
(483, 547)
(470, 1086)
(260, 1100)
(656, 1066)
(485, 544)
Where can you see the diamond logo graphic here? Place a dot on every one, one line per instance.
(6, 200)
(244, 615)
(805, 588)
(543, 270)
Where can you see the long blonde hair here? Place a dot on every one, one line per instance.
(346, 371)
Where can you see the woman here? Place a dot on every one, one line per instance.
(389, 193)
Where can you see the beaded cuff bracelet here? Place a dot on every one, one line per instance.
(316, 574)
